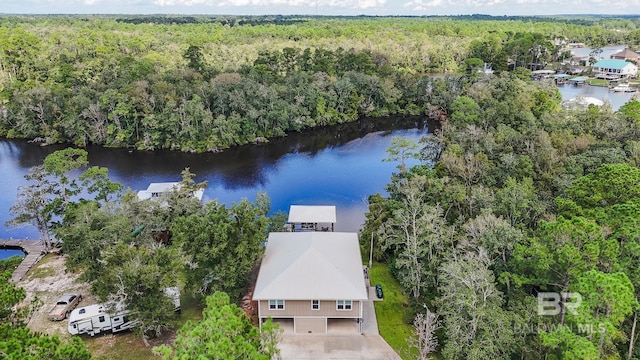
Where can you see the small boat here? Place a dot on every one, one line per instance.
(623, 87)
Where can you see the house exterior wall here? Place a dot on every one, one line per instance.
(622, 57)
(630, 70)
(627, 70)
(296, 308)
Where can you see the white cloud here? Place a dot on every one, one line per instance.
(420, 4)
(184, 2)
(351, 4)
(334, 7)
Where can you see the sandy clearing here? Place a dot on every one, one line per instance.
(44, 283)
(48, 280)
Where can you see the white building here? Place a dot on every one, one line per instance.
(615, 69)
(157, 189)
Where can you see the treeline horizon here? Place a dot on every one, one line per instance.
(202, 87)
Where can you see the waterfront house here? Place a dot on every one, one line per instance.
(541, 74)
(612, 69)
(627, 55)
(312, 282)
(577, 60)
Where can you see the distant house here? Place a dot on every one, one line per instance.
(577, 60)
(541, 74)
(157, 189)
(312, 281)
(312, 217)
(627, 55)
(615, 69)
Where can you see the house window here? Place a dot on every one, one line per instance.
(276, 304)
(343, 305)
(315, 304)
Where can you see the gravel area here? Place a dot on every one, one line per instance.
(44, 284)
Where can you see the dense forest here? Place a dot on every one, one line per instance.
(209, 83)
(518, 203)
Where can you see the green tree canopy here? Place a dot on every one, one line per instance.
(225, 332)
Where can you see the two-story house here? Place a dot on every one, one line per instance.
(312, 279)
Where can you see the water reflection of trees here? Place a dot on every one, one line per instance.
(239, 167)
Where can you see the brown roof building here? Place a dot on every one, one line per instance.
(627, 55)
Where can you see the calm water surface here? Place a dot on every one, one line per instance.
(615, 99)
(339, 166)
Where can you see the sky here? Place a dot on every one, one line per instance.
(323, 7)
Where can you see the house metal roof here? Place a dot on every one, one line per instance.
(312, 214)
(579, 79)
(612, 64)
(311, 265)
(164, 187)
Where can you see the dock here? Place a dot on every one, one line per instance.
(33, 249)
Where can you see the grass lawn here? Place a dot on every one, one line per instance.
(43, 268)
(393, 313)
(121, 346)
(598, 82)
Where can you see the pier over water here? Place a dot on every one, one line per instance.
(33, 249)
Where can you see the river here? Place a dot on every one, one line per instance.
(339, 165)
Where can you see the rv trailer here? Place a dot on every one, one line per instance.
(94, 319)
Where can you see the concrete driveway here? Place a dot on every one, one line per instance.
(338, 347)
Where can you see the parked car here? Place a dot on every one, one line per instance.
(63, 306)
(379, 291)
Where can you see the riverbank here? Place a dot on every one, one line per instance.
(634, 84)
